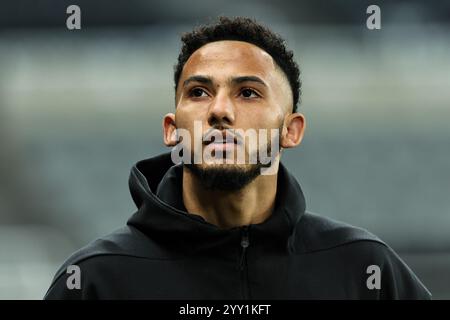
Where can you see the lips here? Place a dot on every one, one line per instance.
(225, 137)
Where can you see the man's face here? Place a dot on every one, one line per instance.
(231, 85)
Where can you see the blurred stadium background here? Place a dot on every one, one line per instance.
(79, 108)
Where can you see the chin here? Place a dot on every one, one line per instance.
(225, 177)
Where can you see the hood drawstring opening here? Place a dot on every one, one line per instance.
(244, 244)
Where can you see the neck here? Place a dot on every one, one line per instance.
(252, 204)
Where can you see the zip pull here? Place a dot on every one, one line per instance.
(244, 244)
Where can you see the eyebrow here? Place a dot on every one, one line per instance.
(235, 80)
(238, 80)
(202, 79)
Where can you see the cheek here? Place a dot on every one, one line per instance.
(258, 121)
(184, 118)
(251, 118)
(265, 115)
(186, 122)
(186, 114)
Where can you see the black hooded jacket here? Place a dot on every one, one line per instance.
(165, 252)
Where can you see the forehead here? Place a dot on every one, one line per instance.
(230, 57)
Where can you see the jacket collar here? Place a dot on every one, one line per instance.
(156, 188)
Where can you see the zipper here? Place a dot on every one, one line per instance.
(243, 263)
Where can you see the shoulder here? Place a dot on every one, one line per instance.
(355, 249)
(315, 232)
(344, 244)
(124, 242)
(318, 233)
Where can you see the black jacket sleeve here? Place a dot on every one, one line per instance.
(400, 281)
(61, 288)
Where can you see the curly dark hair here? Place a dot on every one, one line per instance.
(247, 30)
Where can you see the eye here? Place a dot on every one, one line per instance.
(197, 93)
(249, 93)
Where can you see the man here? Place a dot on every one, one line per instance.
(218, 225)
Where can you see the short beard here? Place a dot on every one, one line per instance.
(227, 178)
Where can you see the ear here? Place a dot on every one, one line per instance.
(169, 130)
(293, 130)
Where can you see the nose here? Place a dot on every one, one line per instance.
(221, 111)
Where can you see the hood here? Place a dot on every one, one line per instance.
(156, 188)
